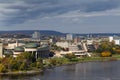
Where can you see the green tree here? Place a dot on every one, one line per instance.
(71, 57)
(106, 46)
(23, 66)
(39, 65)
(26, 57)
(13, 64)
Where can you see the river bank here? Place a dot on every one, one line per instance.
(80, 60)
(89, 59)
(32, 72)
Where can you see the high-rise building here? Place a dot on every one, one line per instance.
(77, 39)
(69, 37)
(36, 35)
(110, 38)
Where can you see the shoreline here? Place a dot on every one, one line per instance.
(34, 72)
(31, 72)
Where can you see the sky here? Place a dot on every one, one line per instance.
(68, 16)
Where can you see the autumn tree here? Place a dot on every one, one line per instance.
(106, 54)
(2, 68)
(106, 46)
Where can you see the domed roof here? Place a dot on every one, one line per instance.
(19, 49)
(31, 45)
(44, 45)
(8, 52)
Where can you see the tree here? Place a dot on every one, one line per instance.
(28, 57)
(13, 64)
(23, 66)
(71, 57)
(106, 46)
(39, 65)
(2, 68)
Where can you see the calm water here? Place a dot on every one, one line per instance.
(82, 71)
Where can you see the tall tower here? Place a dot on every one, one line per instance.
(36, 35)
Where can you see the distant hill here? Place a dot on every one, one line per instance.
(57, 33)
(50, 32)
(30, 32)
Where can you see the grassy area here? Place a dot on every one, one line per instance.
(112, 58)
(117, 56)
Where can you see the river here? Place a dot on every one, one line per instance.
(109, 70)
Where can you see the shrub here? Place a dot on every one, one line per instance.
(39, 65)
(106, 54)
(70, 56)
(58, 61)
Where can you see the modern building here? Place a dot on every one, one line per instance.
(63, 44)
(77, 50)
(12, 45)
(69, 36)
(18, 50)
(36, 35)
(110, 38)
(77, 39)
(39, 51)
(115, 39)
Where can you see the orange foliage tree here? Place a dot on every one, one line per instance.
(106, 54)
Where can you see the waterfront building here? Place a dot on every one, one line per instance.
(77, 50)
(18, 50)
(39, 51)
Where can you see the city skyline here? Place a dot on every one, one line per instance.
(69, 16)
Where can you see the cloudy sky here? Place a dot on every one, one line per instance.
(72, 16)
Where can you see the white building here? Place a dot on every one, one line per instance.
(90, 41)
(63, 44)
(110, 38)
(33, 48)
(115, 39)
(69, 37)
(12, 45)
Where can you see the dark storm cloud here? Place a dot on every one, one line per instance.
(19, 11)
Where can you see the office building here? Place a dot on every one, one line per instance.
(36, 35)
(69, 37)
